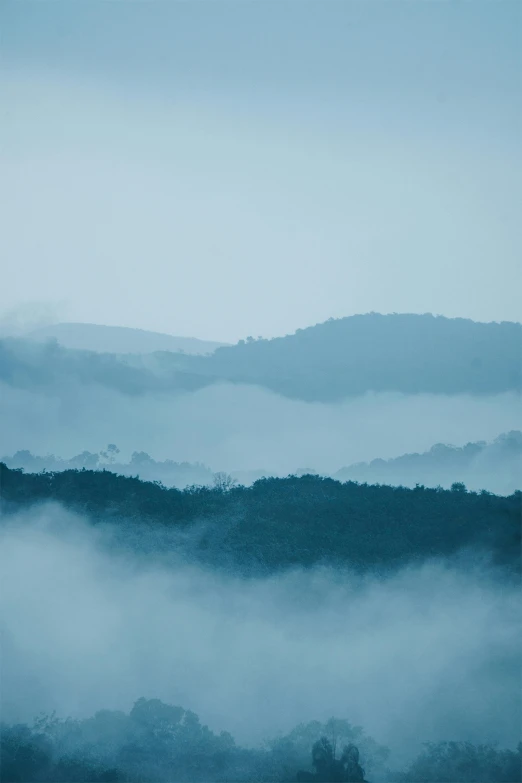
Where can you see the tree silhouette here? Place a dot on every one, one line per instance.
(223, 481)
(110, 452)
(329, 769)
(458, 486)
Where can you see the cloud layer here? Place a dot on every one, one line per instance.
(429, 653)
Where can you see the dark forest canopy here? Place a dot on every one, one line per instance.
(327, 362)
(291, 522)
(156, 742)
(169, 472)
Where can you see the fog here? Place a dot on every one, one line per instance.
(232, 172)
(232, 427)
(431, 652)
(252, 167)
(496, 466)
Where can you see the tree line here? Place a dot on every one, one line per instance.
(296, 521)
(160, 743)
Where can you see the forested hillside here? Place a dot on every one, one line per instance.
(290, 552)
(347, 356)
(328, 362)
(157, 742)
(49, 367)
(278, 523)
(496, 465)
(141, 464)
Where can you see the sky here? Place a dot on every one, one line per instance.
(225, 168)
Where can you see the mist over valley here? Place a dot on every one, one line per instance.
(260, 392)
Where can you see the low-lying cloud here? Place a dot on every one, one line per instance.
(241, 428)
(432, 652)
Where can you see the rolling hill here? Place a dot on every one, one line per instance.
(409, 354)
(119, 339)
(495, 466)
(350, 356)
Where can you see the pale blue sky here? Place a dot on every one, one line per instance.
(222, 168)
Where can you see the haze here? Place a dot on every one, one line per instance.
(260, 391)
(260, 656)
(220, 169)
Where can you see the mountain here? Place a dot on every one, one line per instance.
(329, 362)
(35, 365)
(361, 353)
(494, 466)
(119, 339)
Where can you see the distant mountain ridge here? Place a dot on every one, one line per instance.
(169, 472)
(120, 339)
(409, 354)
(350, 356)
(495, 466)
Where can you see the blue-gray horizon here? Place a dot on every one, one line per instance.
(219, 169)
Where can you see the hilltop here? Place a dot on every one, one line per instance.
(410, 354)
(496, 465)
(361, 353)
(119, 339)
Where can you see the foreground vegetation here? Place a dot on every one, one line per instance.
(157, 742)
